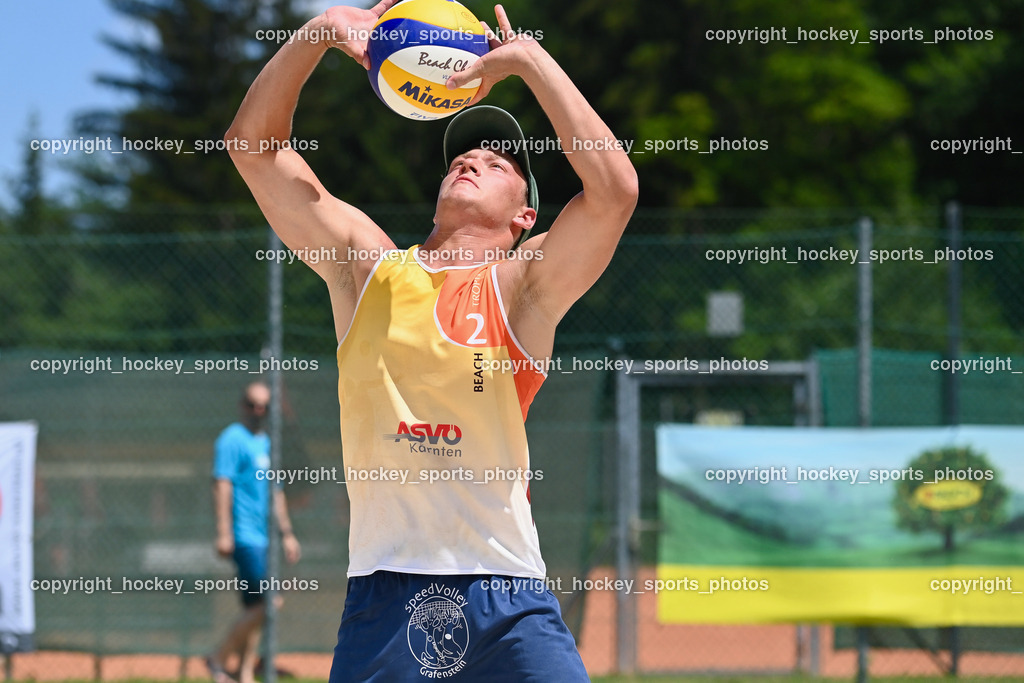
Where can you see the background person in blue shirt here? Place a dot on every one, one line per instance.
(240, 501)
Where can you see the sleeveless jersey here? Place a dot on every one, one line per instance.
(434, 391)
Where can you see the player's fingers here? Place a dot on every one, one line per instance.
(382, 6)
(492, 37)
(480, 94)
(503, 24)
(471, 73)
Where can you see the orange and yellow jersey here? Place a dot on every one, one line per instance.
(434, 391)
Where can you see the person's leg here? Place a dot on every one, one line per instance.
(372, 631)
(525, 639)
(250, 643)
(238, 641)
(217, 673)
(243, 636)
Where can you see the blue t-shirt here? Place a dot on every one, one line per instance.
(238, 456)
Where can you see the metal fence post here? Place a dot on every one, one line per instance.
(954, 232)
(815, 418)
(864, 306)
(864, 310)
(627, 407)
(275, 344)
(953, 324)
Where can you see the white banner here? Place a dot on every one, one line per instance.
(17, 476)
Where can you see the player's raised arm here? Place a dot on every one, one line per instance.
(297, 206)
(581, 241)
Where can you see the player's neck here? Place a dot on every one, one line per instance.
(253, 428)
(469, 245)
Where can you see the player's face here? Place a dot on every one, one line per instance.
(255, 404)
(486, 176)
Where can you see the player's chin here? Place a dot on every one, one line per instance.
(460, 193)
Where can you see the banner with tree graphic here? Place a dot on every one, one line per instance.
(915, 526)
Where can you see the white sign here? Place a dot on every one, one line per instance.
(17, 474)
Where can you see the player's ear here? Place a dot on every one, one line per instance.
(525, 219)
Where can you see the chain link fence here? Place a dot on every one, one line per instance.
(128, 337)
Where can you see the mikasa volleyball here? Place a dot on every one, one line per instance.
(414, 47)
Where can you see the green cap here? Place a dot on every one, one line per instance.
(485, 126)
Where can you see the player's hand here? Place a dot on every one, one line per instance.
(509, 53)
(292, 549)
(350, 27)
(225, 545)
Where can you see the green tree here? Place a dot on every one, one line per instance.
(192, 67)
(964, 465)
(190, 77)
(37, 273)
(964, 80)
(827, 113)
(844, 124)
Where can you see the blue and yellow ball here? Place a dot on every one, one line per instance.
(415, 47)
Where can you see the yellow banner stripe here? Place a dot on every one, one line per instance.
(937, 596)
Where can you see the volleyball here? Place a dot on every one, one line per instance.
(414, 48)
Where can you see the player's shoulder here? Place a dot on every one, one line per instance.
(533, 248)
(512, 269)
(235, 429)
(234, 433)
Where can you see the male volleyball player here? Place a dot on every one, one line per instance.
(446, 578)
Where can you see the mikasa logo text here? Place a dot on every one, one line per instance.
(413, 93)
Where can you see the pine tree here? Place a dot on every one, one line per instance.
(192, 69)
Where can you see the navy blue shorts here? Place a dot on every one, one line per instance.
(252, 569)
(493, 629)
